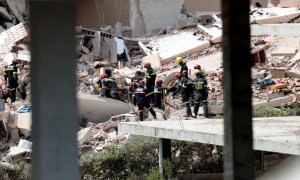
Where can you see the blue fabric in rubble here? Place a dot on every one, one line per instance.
(25, 108)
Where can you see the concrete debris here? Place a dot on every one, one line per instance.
(104, 134)
(120, 51)
(289, 3)
(83, 135)
(273, 15)
(282, 51)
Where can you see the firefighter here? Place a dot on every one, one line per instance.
(186, 88)
(150, 81)
(179, 61)
(113, 88)
(104, 84)
(109, 87)
(11, 78)
(201, 93)
(131, 95)
(174, 86)
(137, 77)
(142, 101)
(158, 93)
(197, 66)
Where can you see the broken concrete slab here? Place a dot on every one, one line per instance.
(209, 63)
(4, 14)
(284, 17)
(278, 72)
(24, 121)
(197, 47)
(120, 45)
(184, 21)
(283, 51)
(10, 37)
(144, 21)
(289, 3)
(214, 33)
(296, 58)
(182, 43)
(154, 59)
(17, 7)
(83, 135)
(96, 109)
(4, 114)
(14, 134)
(144, 48)
(274, 95)
(293, 74)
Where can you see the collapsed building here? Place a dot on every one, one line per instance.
(120, 50)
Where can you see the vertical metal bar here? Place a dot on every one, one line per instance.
(164, 152)
(262, 161)
(55, 119)
(238, 160)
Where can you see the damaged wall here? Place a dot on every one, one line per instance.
(150, 16)
(215, 5)
(113, 11)
(139, 14)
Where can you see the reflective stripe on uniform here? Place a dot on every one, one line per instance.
(199, 85)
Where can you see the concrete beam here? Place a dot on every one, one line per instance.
(164, 152)
(274, 134)
(54, 113)
(285, 29)
(238, 153)
(98, 110)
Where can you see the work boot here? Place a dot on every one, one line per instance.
(205, 109)
(196, 109)
(153, 113)
(141, 116)
(188, 111)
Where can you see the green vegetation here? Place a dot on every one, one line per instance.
(21, 171)
(140, 158)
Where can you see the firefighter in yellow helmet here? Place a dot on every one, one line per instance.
(179, 61)
(200, 93)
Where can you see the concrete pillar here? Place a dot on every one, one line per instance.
(54, 115)
(238, 160)
(164, 152)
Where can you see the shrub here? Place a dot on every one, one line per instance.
(131, 159)
(267, 111)
(20, 171)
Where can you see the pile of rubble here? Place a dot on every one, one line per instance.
(12, 12)
(98, 136)
(197, 38)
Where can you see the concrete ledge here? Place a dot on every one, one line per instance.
(277, 134)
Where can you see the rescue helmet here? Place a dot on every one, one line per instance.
(137, 72)
(142, 82)
(132, 84)
(147, 65)
(197, 66)
(197, 71)
(159, 82)
(177, 75)
(184, 72)
(103, 76)
(179, 60)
